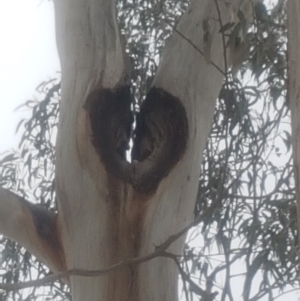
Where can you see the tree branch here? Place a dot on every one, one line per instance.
(33, 227)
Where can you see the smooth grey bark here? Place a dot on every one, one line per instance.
(104, 219)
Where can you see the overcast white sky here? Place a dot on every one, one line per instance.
(28, 56)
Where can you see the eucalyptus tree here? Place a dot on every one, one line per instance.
(109, 209)
(132, 130)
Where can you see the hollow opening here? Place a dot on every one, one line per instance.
(140, 148)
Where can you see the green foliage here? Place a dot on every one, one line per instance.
(248, 246)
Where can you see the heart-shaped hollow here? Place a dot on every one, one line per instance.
(159, 139)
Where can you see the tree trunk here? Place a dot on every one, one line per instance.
(294, 89)
(111, 210)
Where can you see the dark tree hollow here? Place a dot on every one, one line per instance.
(159, 139)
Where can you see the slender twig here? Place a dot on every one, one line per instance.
(208, 296)
(194, 46)
(223, 41)
(187, 297)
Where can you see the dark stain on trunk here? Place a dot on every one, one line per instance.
(46, 226)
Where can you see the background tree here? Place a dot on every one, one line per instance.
(252, 192)
(293, 88)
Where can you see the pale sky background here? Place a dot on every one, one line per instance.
(28, 56)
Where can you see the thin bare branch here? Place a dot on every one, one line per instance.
(194, 46)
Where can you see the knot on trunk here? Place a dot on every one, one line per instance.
(157, 142)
